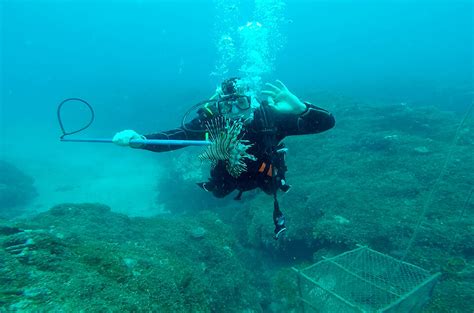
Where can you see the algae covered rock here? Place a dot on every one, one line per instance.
(368, 181)
(84, 257)
(16, 190)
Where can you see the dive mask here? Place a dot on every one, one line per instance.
(226, 103)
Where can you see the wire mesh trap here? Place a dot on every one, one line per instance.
(364, 280)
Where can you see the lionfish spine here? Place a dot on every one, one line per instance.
(227, 145)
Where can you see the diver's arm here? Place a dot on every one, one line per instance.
(193, 130)
(293, 116)
(312, 121)
(179, 133)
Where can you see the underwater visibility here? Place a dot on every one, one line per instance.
(237, 156)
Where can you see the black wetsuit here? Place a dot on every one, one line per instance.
(265, 131)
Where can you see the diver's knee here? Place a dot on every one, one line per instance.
(220, 193)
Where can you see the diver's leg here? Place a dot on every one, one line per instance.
(220, 184)
(278, 219)
(222, 189)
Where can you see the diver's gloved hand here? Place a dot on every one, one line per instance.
(123, 138)
(283, 100)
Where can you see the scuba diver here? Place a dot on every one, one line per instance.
(247, 150)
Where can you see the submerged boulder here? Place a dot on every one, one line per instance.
(16, 190)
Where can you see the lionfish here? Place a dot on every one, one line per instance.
(227, 145)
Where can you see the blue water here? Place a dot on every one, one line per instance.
(141, 64)
(129, 57)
